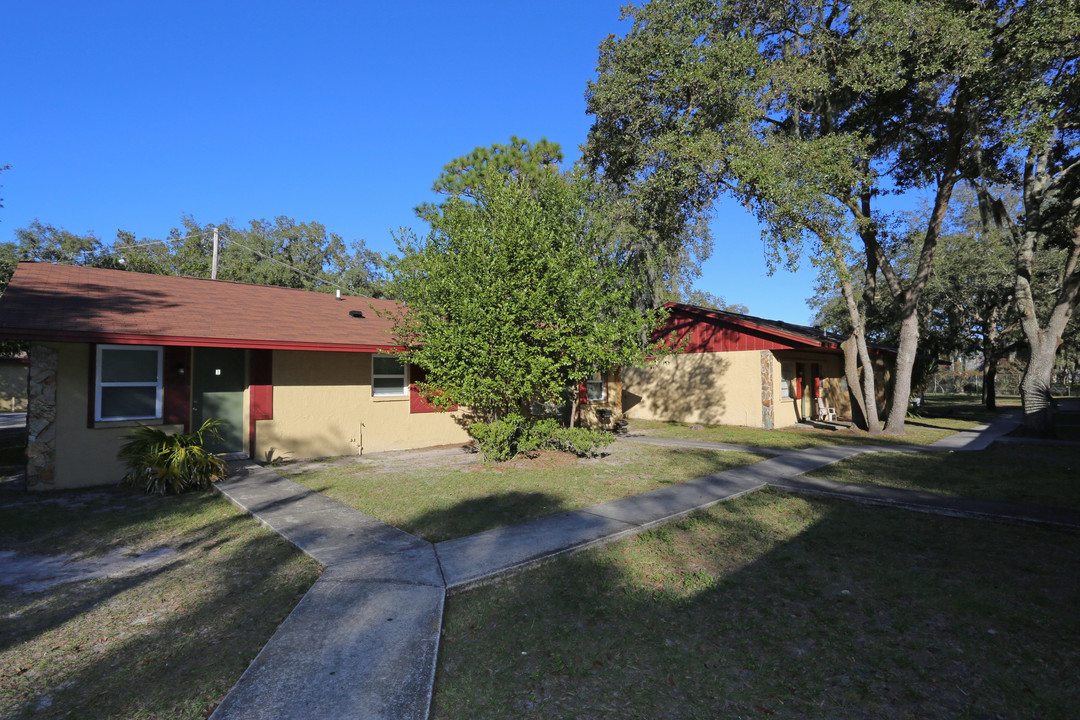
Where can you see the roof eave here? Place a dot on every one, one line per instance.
(144, 339)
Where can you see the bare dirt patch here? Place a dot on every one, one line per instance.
(545, 459)
(26, 573)
(452, 457)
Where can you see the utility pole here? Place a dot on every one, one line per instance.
(213, 265)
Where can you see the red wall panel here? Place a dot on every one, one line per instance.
(418, 404)
(176, 372)
(262, 384)
(717, 336)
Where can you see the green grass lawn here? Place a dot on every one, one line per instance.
(943, 416)
(440, 503)
(1036, 474)
(166, 641)
(780, 606)
(920, 431)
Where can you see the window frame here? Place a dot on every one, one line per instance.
(158, 385)
(788, 373)
(404, 391)
(590, 382)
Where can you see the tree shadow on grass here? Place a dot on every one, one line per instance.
(511, 507)
(483, 513)
(714, 461)
(781, 606)
(166, 642)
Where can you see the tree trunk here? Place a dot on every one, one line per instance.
(905, 361)
(869, 393)
(1035, 389)
(1043, 342)
(869, 386)
(851, 372)
(990, 357)
(989, 382)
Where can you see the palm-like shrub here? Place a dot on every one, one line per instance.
(162, 463)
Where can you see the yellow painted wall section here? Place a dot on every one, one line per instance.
(84, 456)
(323, 407)
(721, 388)
(588, 412)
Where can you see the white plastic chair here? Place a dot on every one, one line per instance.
(824, 412)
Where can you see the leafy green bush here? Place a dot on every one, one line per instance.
(160, 462)
(498, 439)
(580, 441)
(503, 439)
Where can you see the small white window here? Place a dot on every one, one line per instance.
(127, 383)
(388, 376)
(787, 380)
(596, 388)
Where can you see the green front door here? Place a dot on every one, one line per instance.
(217, 391)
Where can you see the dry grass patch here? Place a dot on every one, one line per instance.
(944, 416)
(776, 605)
(920, 431)
(183, 592)
(1032, 474)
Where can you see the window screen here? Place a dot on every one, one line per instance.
(128, 383)
(387, 376)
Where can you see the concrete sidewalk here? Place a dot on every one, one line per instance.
(982, 436)
(363, 642)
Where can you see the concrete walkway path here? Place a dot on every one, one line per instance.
(363, 642)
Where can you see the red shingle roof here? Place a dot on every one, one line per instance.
(78, 304)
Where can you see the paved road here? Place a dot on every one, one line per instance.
(12, 421)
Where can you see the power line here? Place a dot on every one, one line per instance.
(150, 243)
(232, 239)
(291, 267)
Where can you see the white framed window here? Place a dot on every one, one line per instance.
(388, 376)
(787, 380)
(596, 388)
(127, 382)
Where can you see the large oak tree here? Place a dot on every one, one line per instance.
(808, 112)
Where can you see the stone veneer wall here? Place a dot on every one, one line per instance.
(41, 419)
(767, 389)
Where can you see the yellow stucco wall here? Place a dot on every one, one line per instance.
(588, 412)
(84, 456)
(323, 406)
(724, 388)
(720, 388)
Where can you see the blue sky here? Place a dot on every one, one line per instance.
(127, 115)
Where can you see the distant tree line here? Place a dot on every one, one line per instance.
(280, 252)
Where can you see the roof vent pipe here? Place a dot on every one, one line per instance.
(338, 294)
